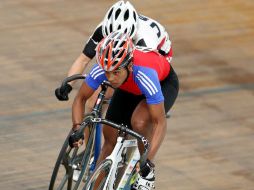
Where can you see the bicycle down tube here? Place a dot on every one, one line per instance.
(96, 111)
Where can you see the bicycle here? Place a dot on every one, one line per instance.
(81, 158)
(119, 169)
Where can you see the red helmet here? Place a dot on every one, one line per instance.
(114, 51)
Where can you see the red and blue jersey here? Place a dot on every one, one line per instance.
(149, 68)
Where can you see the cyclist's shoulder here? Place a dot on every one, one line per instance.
(142, 64)
(150, 61)
(137, 69)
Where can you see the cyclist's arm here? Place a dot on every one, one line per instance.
(78, 105)
(79, 65)
(149, 84)
(93, 80)
(159, 127)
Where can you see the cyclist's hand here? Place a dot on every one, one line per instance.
(62, 92)
(76, 139)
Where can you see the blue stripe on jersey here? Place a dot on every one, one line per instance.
(149, 84)
(95, 77)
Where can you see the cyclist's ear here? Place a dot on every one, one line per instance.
(130, 67)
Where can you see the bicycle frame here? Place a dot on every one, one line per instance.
(79, 158)
(118, 154)
(96, 113)
(94, 119)
(116, 158)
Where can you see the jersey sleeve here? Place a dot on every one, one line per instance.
(97, 36)
(95, 77)
(149, 84)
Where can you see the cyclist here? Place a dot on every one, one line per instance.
(144, 32)
(146, 87)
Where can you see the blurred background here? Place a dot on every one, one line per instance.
(209, 142)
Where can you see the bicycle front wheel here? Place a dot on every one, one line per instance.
(98, 180)
(70, 159)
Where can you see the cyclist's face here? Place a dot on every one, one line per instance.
(117, 77)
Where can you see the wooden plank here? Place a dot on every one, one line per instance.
(209, 141)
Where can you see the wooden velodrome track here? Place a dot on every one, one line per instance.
(209, 142)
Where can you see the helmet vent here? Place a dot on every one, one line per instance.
(122, 44)
(134, 16)
(121, 54)
(110, 13)
(106, 30)
(115, 62)
(126, 15)
(110, 28)
(107, 52)
(119, 27)
(115, 53)
(132, 30)
(117, 13)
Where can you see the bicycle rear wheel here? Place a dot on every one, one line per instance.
(98, 180)
(70, 159)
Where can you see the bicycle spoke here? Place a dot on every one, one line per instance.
(71, 159)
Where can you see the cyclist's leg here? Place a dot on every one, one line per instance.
(141, 123)
(140, 119)
(120, 110)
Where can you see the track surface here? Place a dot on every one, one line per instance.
(209, 141)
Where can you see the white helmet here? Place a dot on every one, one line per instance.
(121, 16)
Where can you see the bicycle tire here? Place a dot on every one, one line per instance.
(66, 161)
(104, 168)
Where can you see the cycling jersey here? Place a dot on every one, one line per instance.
(150, 35)
(149, 68)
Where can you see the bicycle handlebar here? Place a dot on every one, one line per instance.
(72, 78)
(124, 128)
(80, 76)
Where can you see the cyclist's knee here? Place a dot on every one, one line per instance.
(138, 125)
